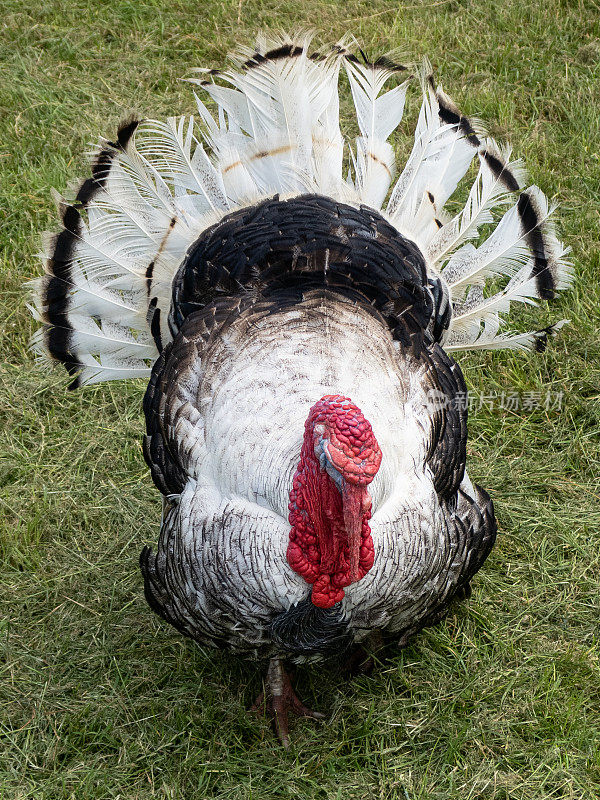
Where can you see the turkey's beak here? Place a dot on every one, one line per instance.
(356, 500)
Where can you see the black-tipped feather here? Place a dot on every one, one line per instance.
(535, 239)
(58, 283)
(501, 171)
(450, 115)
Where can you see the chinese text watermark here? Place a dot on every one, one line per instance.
(495, 401)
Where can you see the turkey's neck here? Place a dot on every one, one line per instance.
(330, 539)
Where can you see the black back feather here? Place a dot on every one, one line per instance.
(279, 250)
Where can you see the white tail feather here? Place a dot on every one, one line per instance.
(487, 192)
(439, 160)
(378, 117)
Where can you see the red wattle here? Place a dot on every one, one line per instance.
(330, 542)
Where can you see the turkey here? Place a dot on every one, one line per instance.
(295, 306)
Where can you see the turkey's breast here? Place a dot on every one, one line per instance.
(264, 374)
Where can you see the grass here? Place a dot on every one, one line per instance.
(100, 699)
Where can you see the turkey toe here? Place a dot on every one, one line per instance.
(278, 700)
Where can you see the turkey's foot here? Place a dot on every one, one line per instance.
(279, 699)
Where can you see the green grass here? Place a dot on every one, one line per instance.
(100, 699)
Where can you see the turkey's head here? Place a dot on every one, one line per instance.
(330, 507)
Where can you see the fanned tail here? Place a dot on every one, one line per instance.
(279, 118)
(522, 248)
(104, 302)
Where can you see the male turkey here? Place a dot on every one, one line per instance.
(306, 424)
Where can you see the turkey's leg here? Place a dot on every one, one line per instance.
(279, 698)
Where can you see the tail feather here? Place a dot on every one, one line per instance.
(105, 300)
(445, 144)
(378, 115)
(489, 191)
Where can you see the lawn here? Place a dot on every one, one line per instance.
(99, 698)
